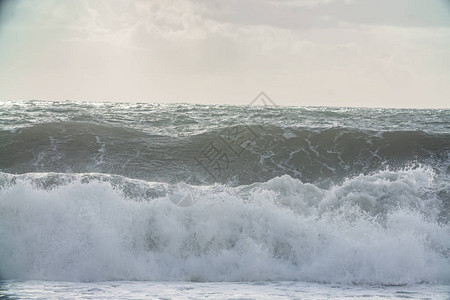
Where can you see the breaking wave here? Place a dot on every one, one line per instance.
(390, 227)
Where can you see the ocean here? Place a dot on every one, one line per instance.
(187, 201)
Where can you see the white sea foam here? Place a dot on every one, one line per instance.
(385, 228)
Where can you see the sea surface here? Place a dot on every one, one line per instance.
(186, 201)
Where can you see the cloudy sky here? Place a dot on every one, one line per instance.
(378, 53)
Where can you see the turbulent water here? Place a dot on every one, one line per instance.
(182, 192)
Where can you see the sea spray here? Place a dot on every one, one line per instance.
(382, 228)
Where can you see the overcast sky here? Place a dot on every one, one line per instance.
(378, 53)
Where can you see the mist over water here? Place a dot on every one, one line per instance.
(92, 192)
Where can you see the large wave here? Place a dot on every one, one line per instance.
(249, 154)
(93, 192)
(389, 227)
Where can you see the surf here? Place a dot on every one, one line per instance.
(387, 228)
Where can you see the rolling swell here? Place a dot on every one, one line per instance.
(259, 152)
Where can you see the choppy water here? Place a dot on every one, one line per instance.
(182, 192)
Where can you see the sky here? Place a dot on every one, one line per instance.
(370, 53)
